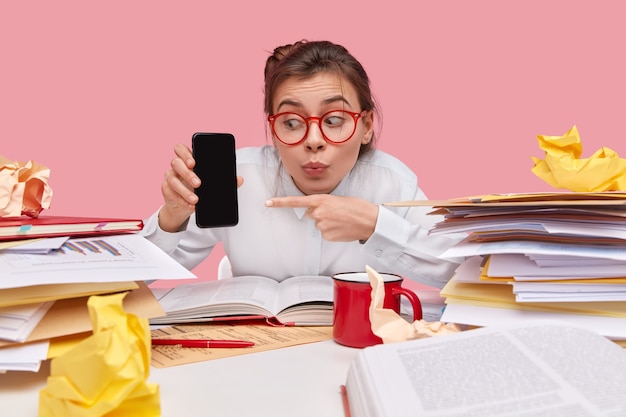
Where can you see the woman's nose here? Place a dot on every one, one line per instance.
(314, 138)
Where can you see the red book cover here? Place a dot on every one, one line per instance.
(15, 228)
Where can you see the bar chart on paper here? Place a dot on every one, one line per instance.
(78, 253)
(113, 258)
(89, 247)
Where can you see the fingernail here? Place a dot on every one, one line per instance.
(269, 203)
(195, 182)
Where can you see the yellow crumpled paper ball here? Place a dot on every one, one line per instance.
(563, 167)
(24, 188)
(105, 374)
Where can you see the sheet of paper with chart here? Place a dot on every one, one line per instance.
(113, 258)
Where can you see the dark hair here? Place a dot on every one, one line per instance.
(307, 58)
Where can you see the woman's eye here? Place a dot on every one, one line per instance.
(292, 123)
(333, 121)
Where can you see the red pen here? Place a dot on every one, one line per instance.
(193, 343)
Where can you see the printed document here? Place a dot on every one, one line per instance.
(114, 258)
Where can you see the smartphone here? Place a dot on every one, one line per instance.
(216, 167)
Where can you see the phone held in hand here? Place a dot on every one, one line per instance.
(216, 167)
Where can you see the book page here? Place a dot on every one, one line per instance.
(304, 289)
(541, 369)
(222, 297)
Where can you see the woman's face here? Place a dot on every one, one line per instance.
(316, 165)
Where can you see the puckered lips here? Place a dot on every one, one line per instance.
(315, 169)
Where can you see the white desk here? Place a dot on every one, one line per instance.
(297, 381)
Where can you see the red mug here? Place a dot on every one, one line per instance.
(352, 299)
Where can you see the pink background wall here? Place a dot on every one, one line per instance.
(101, 91)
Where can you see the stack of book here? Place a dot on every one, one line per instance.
(51, 265)
(20, 229)
(555, 255)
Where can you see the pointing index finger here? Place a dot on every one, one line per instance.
(292, 201)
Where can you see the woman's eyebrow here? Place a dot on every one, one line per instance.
(288, 103)
(335, 99)
(325, 102)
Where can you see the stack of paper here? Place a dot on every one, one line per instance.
(45, 284)
(549, 255)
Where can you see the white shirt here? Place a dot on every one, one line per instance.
(282, 242)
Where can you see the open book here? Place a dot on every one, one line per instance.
(536, 369)
(303, 300)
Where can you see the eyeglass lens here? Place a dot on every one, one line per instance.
(336, 126)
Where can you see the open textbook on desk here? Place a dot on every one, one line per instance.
(535, 369)
(305, 300)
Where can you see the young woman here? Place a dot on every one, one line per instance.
(310, 203)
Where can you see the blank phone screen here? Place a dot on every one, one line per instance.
(216, 166)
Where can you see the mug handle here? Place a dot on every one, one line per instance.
(413, 299)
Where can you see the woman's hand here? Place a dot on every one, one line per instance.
(339, 219)
(178, 190)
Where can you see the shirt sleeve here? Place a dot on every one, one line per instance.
(402, 244)
(189, 247)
